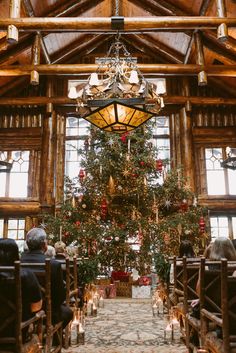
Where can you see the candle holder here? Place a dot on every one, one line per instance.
(169, 333)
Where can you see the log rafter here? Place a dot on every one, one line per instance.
(67, 9)
(149, 69)
(169, 100)
(79, 24)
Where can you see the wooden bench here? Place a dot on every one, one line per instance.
(52, 332)
(218, 320)
(13, 330)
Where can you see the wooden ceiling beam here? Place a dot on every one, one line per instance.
(151, 69)
(179, 100)
(68, 8)
(164, 23)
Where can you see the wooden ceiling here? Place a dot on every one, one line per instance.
(155, 46)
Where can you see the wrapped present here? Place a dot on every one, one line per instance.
(141, 292)
(121, 276)
(145, 281)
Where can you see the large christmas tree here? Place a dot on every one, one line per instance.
(125, 206)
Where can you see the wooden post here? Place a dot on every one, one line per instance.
(48, 158)
(34, 75)
(222, 30)
(187, 155)
(202, 77)
(60, 160)
(173, 148)
(12, 31)
(186, 93)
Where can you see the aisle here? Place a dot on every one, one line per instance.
(126, 326)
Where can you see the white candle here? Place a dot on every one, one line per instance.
(128, 145)
(60, 233)
(157, 215)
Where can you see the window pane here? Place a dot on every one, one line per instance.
(2, 184)
(219, 227)
(223, 222)
(16, 229)
(215, 182)
(1, 227)
(234, 226)
(232, 183)
(12, 224)
(18, 184)
(12, 234)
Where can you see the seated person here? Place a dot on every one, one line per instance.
(37, 244)
(31, 293)
(50, 252)
(60, 250)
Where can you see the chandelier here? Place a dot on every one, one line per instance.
(230, 161)
(5, 167)
(117, 98)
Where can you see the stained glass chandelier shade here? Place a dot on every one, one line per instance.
(117, 98)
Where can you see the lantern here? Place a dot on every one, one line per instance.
(159, 165)
(81, 175)
(202, 224)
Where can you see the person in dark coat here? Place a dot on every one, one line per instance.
(37, 243)
(31, 293)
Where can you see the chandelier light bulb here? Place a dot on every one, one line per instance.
(94, 81)
(133, 79)
(228, 150)
(72, 93)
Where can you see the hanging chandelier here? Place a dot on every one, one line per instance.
(5, 166)
(117, 98)
(230, 161)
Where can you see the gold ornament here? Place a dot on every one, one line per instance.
(111, 185)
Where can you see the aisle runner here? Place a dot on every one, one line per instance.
(126, 326)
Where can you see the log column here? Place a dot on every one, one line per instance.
(175, 140)
(12, 31)
(202, 76)
(34, 75)
(60, 161)
(187, 153)
(222, 30)
(48, 157)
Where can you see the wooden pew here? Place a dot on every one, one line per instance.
(71, 291)
(11, 325)
(43, 274)
(218, 325)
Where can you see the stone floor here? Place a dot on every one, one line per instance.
(127, 326)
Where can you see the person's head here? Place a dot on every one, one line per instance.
(9, 252)
(50, 252)
(207, 251)
(36, 239)
(186, 249)
(234, 243)
(60, 247)
(222, 248)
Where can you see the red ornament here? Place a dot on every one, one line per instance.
(81, 175)
(142, 163)
(184, 205)
(159, 165)
(124, 137)
(202, 225)
(103, 208)
(77, 223)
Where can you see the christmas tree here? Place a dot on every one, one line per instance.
(125, 206)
